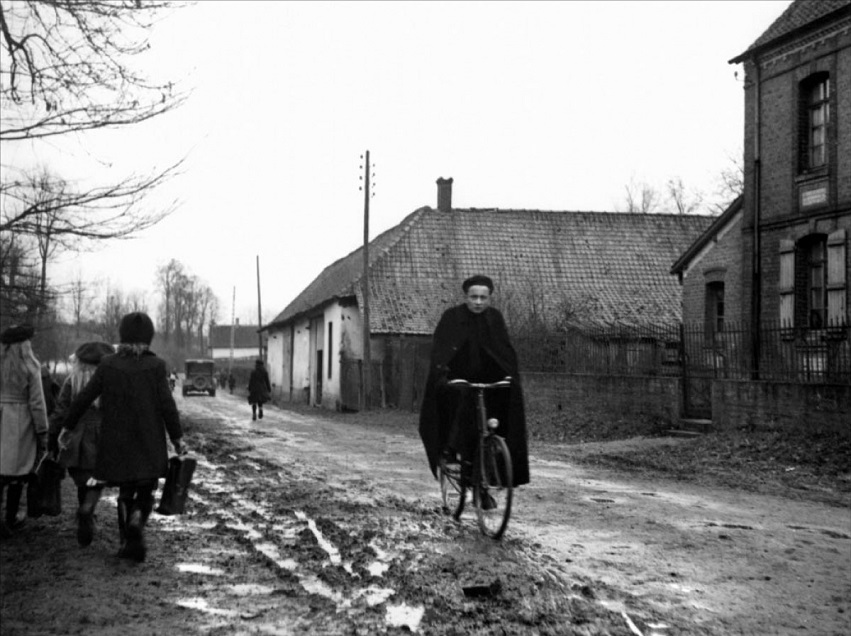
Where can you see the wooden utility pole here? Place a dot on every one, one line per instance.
(259, 314)
(232, 319)
(366, 381)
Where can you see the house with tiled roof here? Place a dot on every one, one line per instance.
(599, 268)
(246, 341)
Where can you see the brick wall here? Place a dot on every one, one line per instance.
(726, 255)
(567, 407)
(780, 217)
(589, 407)
(772, 405)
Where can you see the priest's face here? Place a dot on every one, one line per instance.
(478, 298)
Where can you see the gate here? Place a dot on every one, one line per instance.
(698, 371)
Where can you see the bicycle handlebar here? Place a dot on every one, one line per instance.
(501, 384)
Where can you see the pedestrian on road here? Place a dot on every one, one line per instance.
(259, 389)
(231, 382)
(23, 420)
(471, 343)
(138, 410)
(80, 454)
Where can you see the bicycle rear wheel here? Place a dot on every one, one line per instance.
(451, 491)
(494, 487)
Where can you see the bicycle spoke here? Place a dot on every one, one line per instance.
(494, 490)
(451, 491)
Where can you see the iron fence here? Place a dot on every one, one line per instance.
(783, 352)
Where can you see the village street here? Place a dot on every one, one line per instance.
(313, 523)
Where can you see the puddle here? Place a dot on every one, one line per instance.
(251, 589)
(330, 548)
(201, 605)
(405, 616)
(198, 568)
(376, 595)
(380, 565)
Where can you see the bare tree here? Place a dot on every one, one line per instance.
(97, 213)
(641, 198)
(684, 201)
(80, 296)
(20, 300)
(67, 68)
(731, 182)
(208, 310)
(167, 281)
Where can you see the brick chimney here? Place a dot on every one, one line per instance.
(444, 194)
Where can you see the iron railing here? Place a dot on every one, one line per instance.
(784, 353)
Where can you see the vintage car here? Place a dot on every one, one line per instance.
(200, 377)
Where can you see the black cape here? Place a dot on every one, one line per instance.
(451, 348)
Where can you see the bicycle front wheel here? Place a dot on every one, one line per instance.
(495, 487)
(451, 491)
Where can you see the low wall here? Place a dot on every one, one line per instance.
(771, 405)
(577, 407)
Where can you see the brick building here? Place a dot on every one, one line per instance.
(796, 212)
(710, 272)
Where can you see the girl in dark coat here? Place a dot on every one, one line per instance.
(138, 409)
(259, 389)
(81, 452)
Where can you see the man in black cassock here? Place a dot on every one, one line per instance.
(471, 343)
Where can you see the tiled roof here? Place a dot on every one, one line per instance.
(244, 336)
(616, 266)
(798, 14)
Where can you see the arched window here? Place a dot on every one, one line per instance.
(714, 307)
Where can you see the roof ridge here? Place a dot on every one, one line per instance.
(400, 229)
(597, 212)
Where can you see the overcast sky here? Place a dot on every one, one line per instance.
(550, 105)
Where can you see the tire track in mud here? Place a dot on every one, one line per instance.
(339, 558)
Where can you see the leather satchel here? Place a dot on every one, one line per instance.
(176, 489)
(44, 490)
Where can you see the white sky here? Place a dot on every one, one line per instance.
(535, 105)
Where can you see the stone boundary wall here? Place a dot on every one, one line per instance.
(576, 407)
(756, 405)
(571, 407)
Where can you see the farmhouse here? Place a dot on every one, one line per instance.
(585, 268)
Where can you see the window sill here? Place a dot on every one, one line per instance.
(812, 175)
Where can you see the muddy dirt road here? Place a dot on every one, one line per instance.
(304, 524)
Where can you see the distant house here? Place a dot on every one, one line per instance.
(246, 342)
(592, 268)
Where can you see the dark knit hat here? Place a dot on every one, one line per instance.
(17, 333)
(92, 352)
(136, 328)
(477, 280)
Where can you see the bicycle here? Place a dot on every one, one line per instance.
(492, 478)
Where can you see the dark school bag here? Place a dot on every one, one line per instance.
(176, 489)
(44, 490)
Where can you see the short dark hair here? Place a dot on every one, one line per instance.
(478, 279)
(136, 328)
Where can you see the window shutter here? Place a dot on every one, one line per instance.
(786, 285)
(837, 283)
